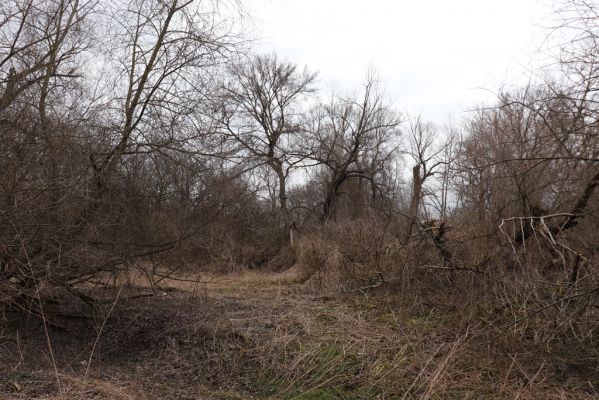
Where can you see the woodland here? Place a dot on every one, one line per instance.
(182, 217)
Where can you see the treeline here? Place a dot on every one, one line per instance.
(147, 132)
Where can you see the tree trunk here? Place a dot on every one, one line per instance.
(283, 200)
(330, 201)
(415, 201)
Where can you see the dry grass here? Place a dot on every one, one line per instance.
(270, 335)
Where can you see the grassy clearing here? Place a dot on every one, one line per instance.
(252, 335)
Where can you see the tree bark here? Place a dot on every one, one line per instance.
(285, 214)
(415, 201)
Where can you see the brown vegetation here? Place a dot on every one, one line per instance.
(182, 220)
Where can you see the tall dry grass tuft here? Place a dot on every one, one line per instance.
(349, 255)
(363, 254)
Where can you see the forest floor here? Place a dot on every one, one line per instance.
(252, 335)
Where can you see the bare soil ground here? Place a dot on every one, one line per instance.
(271, 335)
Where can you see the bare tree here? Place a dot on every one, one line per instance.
(262, 115)
(426, 151)
(353, 138)
(39, 41)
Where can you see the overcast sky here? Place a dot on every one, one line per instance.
(435, 57)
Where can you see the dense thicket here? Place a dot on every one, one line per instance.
(138, 132)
